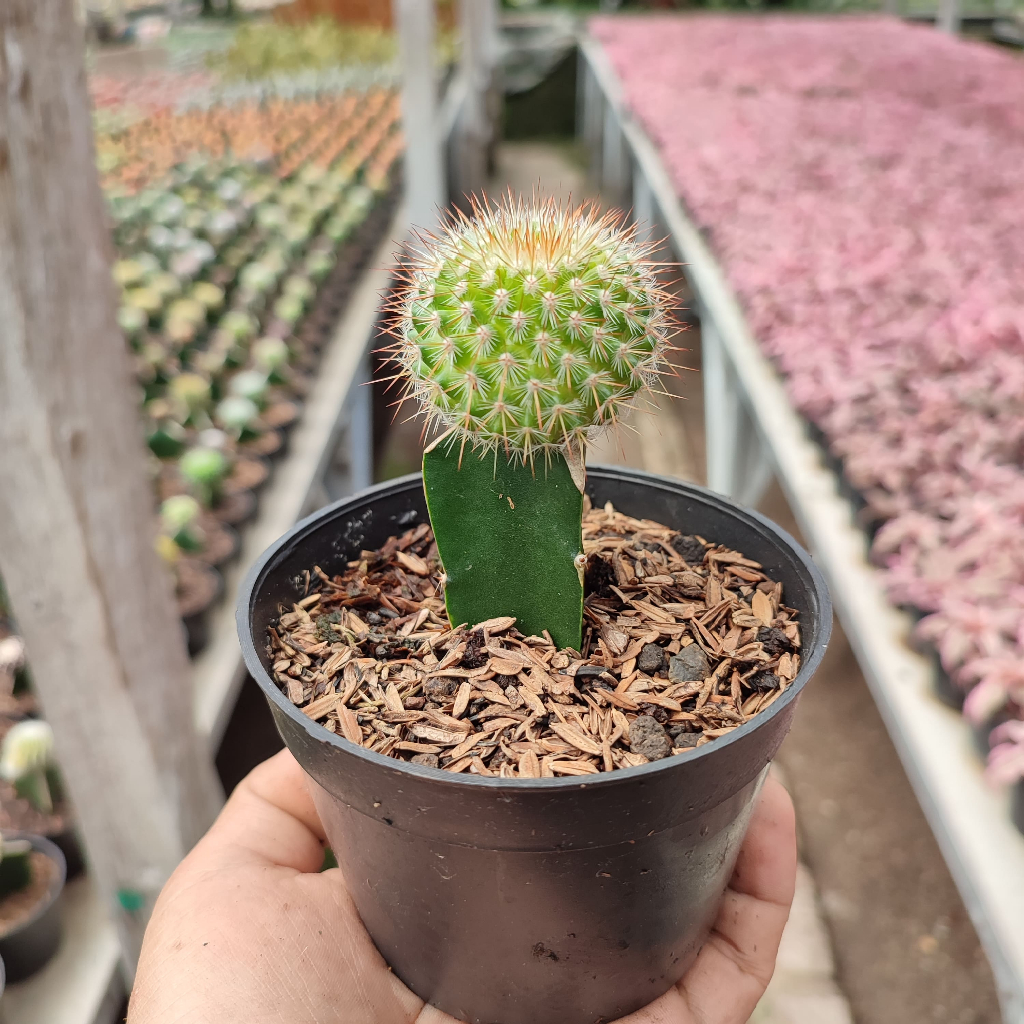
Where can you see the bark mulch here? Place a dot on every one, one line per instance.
(684, 640)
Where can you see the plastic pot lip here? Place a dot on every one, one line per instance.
(808, 666)
(41, 845)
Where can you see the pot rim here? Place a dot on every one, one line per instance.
(808, 666)
(50, 849)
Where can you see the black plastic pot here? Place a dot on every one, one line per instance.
(30, 946)
(535, 901)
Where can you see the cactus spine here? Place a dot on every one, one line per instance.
(523, 331)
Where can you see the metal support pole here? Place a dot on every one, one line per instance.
(738, 462)
(645, 211)
(360, 428)
(424, 163)
(615, 165)
(590, 117)
(721, 409)
(949, 16)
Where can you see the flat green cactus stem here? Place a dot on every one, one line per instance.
(523, 518)
(523, 331)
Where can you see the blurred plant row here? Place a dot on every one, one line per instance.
(862, 189)
(233, 226)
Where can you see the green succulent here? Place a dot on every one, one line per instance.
(26, 761)
(299, 286)
(15, 866)
(166, 284)
(271, 356)
(251, 384)
(191, 396)
(190, 311)
(132, 320)
(240, 326)
(147, 299)
(166, 439)
(258, 277)
(128, 273)
(204, 470)
(523, 332)
(179, 520)
(239, 417)
(318, 265)
(209, 295)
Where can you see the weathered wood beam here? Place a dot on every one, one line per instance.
(76, 503)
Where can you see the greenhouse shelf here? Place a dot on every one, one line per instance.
(753, 430)
(297, 486)
(80, 985)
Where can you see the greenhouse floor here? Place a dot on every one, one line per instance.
(878, 933)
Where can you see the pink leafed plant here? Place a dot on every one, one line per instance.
(862, 183)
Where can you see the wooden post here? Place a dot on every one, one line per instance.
(424, 166)
(76, 503)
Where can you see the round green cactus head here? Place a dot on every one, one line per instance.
(531, 326)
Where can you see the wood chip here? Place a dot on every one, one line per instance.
(349, 726)
(413, 563)
(762, 608)
(322, 706)
(576, 738)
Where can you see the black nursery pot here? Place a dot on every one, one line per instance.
(30, 946)
(535, 901)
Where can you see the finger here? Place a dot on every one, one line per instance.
(736, 964)
(269, 818)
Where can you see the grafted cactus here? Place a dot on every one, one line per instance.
(523, 331)
(532, 326)
(26, 761)
(15, 865)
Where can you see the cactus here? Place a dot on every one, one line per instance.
(205, 469)
(190, 396)
(15, 865)
(523, 332)
(239, 417)
(179, 521)
(271, 356)
(26, 761)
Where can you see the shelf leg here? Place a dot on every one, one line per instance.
(738, 462)
(721, 410)
(590, 114)
(645, 210)
(615, 163)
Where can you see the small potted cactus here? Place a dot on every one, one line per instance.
(32, 875)
(507, 873)
(35, 801)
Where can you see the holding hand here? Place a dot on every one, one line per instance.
(249, 931)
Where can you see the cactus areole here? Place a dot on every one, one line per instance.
(523, 332)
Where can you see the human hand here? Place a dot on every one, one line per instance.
(249, 931)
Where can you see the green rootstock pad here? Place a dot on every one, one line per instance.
(508, 536)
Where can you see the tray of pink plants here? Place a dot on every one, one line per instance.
(861, 189)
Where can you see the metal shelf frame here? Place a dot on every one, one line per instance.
(753, 432)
